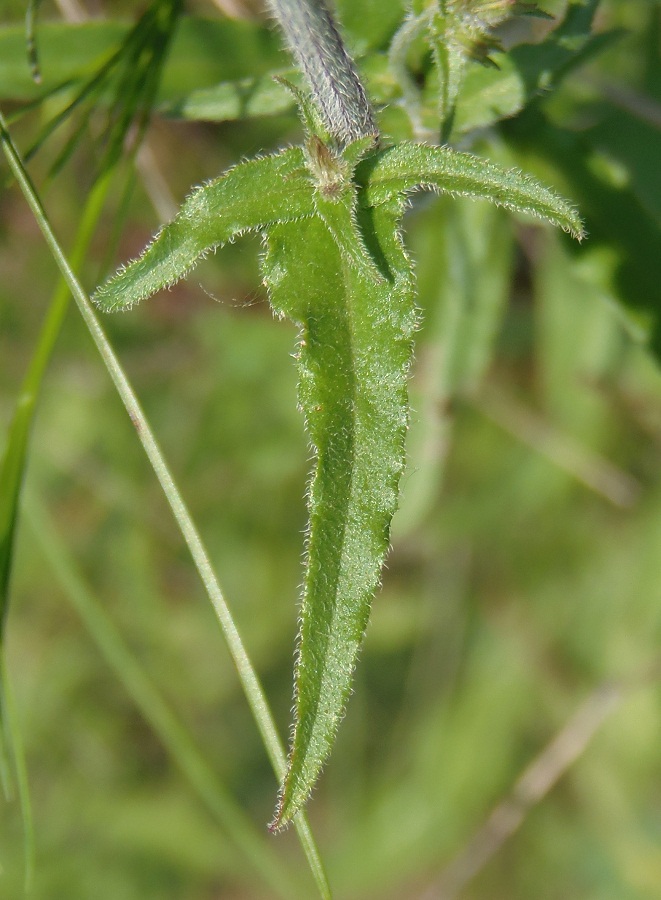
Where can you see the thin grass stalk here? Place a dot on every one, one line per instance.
(247, 674)
(12, 469)
(154, 708)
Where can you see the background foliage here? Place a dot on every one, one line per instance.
(526, 556)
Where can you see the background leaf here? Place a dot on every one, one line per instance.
(617, 218)
(490, 94)
(204, 51)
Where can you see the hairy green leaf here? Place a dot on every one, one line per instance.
(249, 197)
(357, 325)
(408, 166)
(357, 316)
(335, 265)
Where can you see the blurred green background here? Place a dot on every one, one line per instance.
(525, 571)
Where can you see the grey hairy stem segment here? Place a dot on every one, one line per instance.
(330, 72)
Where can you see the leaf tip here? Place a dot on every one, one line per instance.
(289, 803)
(283, 813)
(110, 297)
(279, 822)
(570, 222)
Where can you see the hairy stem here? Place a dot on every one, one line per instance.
(330, 72)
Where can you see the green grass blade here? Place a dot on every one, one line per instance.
(12, 731)
(249, 197)
(13, 465)
(5, 744)
(65, 52)
(205, 51)
(127, 82)
(14, 459)
(357, 319)
(12, 470)
(247, 675)
(408, 166)
(171, 732)
(90, 91)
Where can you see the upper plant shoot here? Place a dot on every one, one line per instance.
(336, 267)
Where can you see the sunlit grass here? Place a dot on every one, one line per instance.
(514, 589)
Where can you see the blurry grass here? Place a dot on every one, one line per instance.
(512, 593)
(15, 778)
(239, 831)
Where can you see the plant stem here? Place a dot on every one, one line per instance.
(13, 461)
(247, 675)
(331, 74)
(170, 730)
